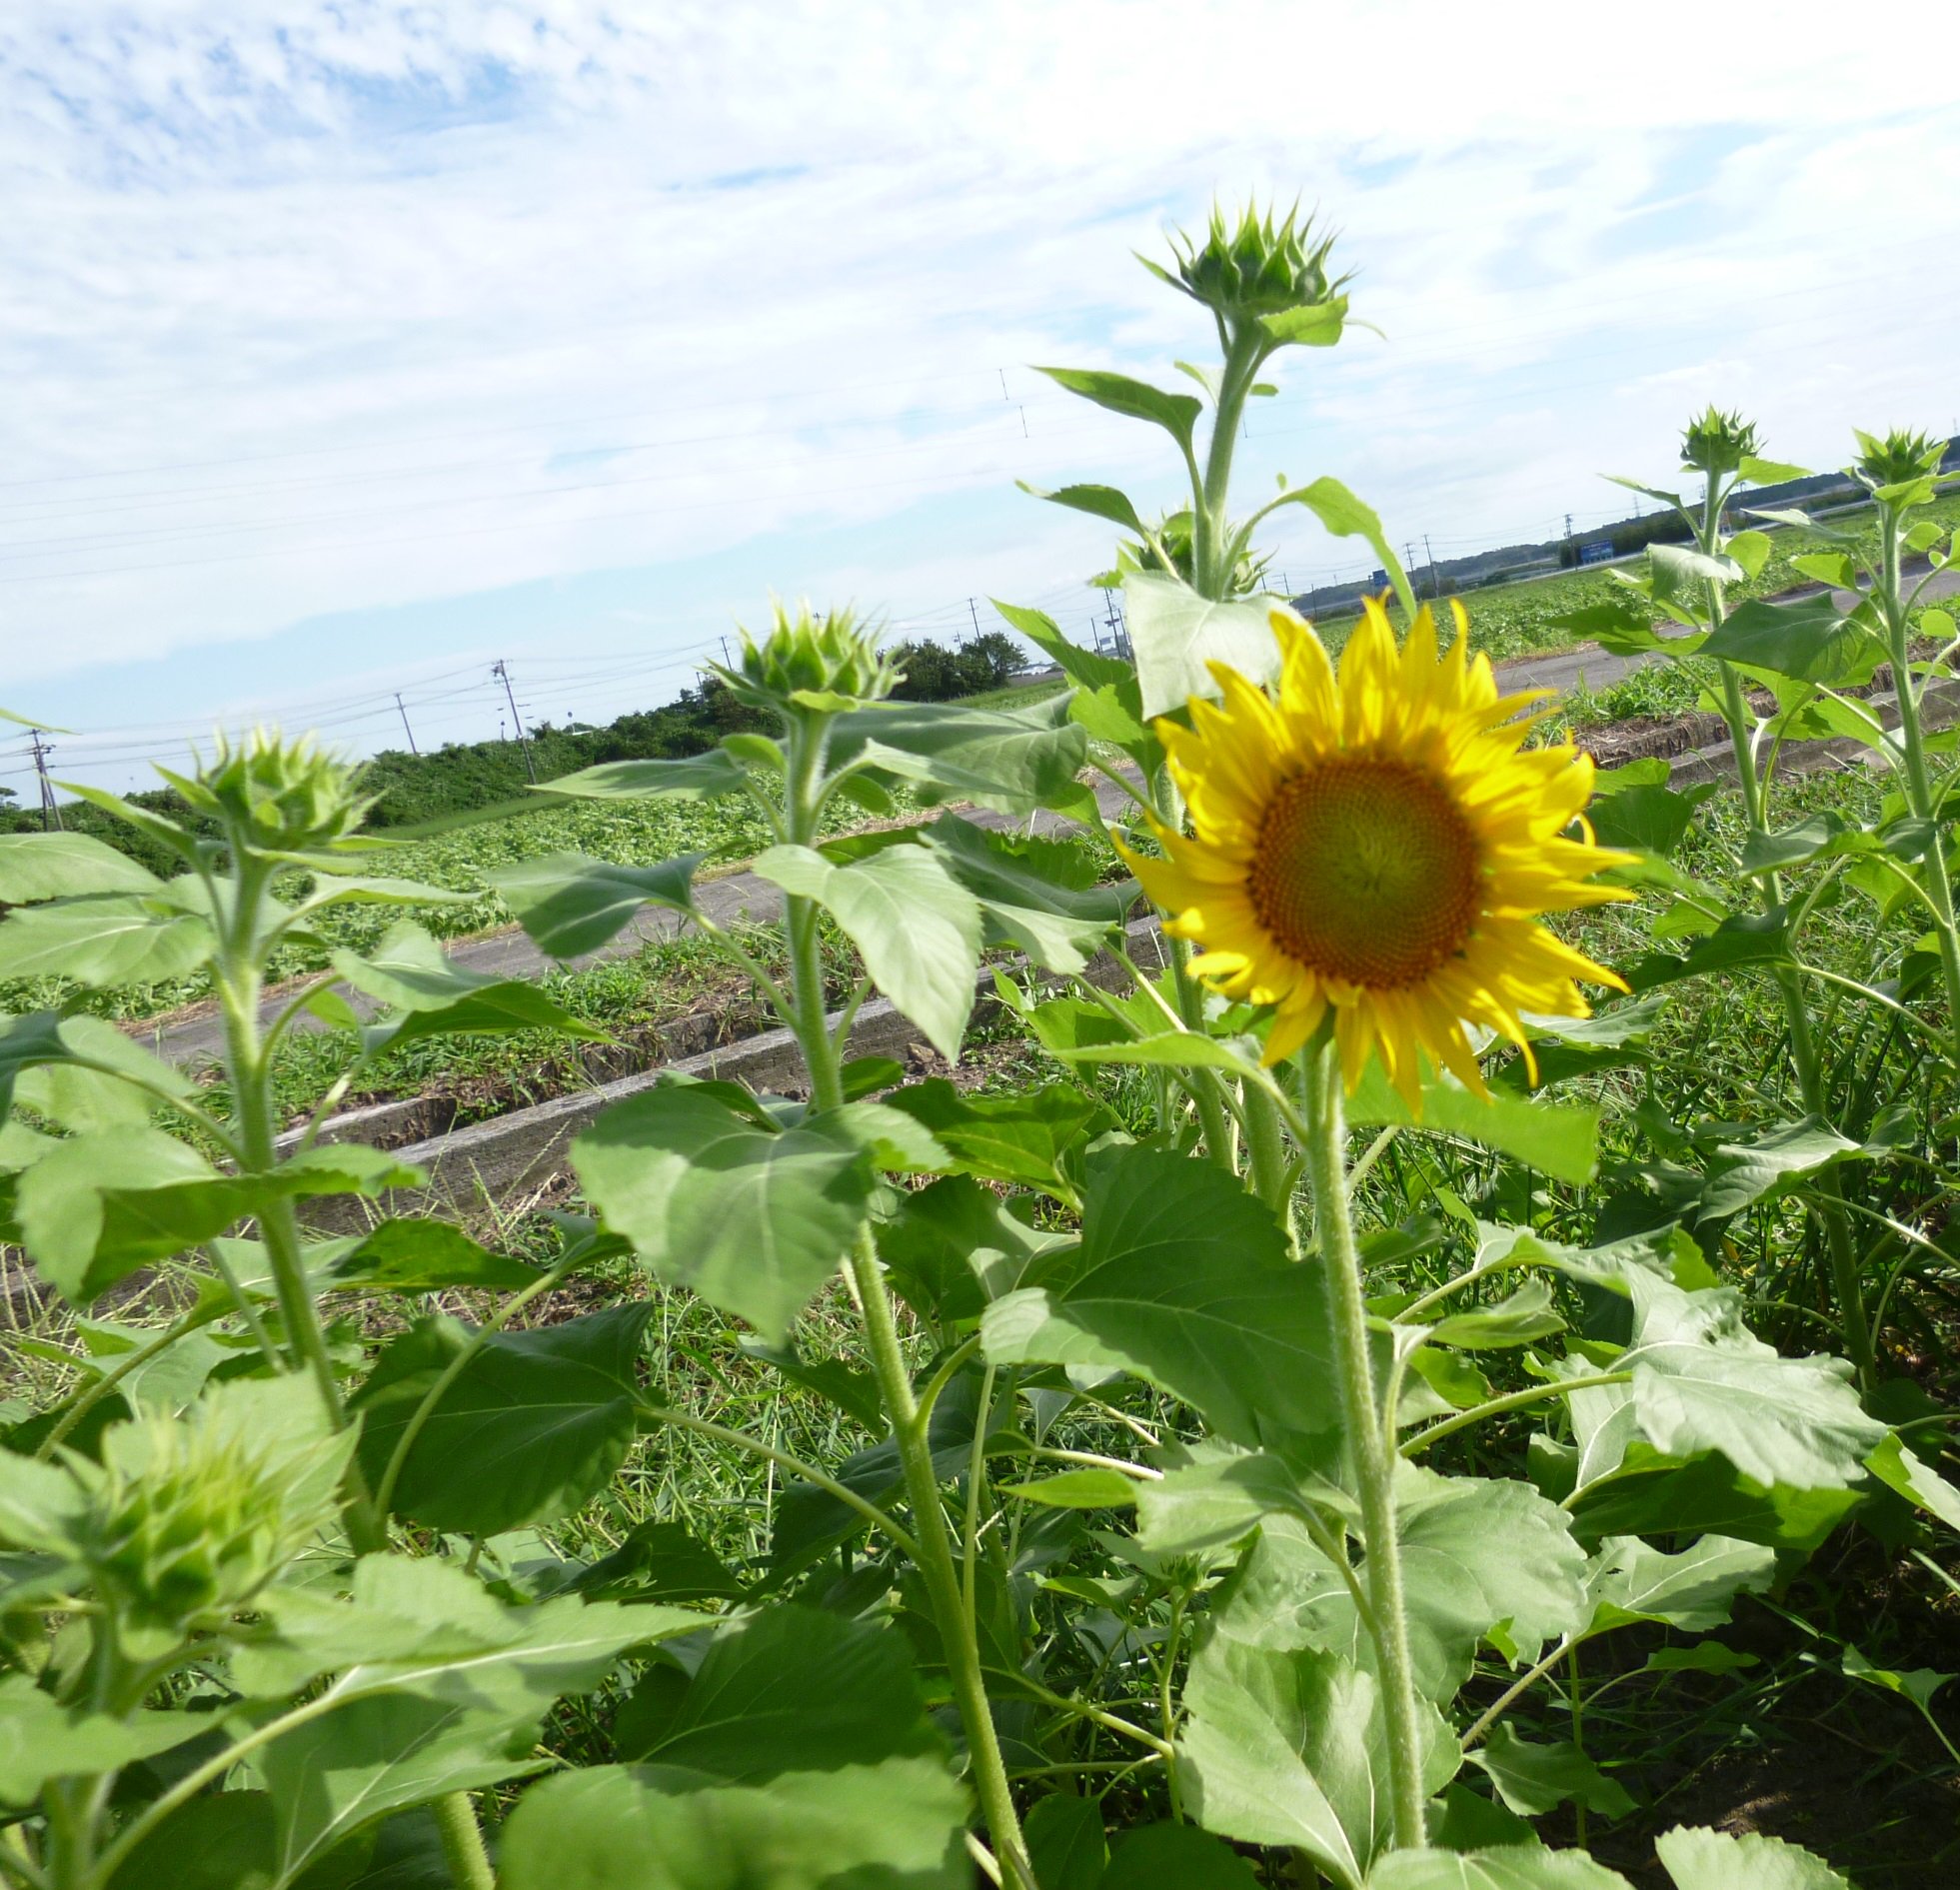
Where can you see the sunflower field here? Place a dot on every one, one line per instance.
(1409, 1346)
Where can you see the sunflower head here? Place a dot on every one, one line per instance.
(1380, 848)
(1716, 442)
(808, 661)
(1900, 460)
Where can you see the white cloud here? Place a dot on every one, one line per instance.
(314, 308)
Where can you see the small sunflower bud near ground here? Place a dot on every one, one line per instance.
(1260, 271)
(1718, 442)
(827, 662)
(193, 1516)
(1380, 848)
(275, 795)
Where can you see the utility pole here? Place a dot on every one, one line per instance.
(1118, 630)
(1436, 586)
(973, 610)
(499, 670)
(1569, 524)
(413, 749)
(50, 813)
(727, 662)
(1096, 633)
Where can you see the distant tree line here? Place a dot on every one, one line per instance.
(460, 776)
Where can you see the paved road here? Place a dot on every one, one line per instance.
(737, 896)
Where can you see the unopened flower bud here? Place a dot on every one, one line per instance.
(805, 659)
(1258, 268)
(272, 794)
(1718, 442)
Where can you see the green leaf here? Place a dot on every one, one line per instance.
(416, 1625)
(1506, 1867)
(38, 1058)
(1057, 924)
(40, 1739)
(1167, 1049)
(897, 1825)
(1344, 515)
(1749, 939)
(1066, 1843)
(1898, 1470)
(1720, 1860)
(63, 865)
(1100, 502)
(1011, 760)
(1157, 1856)
(1524, 1316)
(1087, 1488)
(334, 1774)
(1212, 1495)
(1653, 818)
(426, 1256)
(1619, 625)
(1177, 414)
(1751, 550)
(1185, 1281)
(1533, 1779)
(1561, 1140)
(569, 905)
(917, 928)
(1088, 668)
(103, 942)
(218, 1841)
(1809, 640)
(1477, 1554)
(1291, 1748)
(1680, 572)
(411, 972)
(535, 1424)
(1632, 1580)
(791, 1688)
(854, 1392)
(661, 1561)
(1744, 1172)
(1655, 1494)
(1036, 1137)
(954, 1245)
(1704, 1382)
(692, 778)
(1176, 634)
(754, 1220)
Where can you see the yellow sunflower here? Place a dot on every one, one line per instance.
(1383, 847)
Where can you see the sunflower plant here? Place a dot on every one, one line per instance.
(1157, 1525)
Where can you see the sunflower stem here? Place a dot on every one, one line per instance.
(1369, 1445)
(1812, 1084)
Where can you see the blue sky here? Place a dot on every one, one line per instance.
(351, 348)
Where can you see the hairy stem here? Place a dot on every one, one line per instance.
(463, 1846)
(1371, 1451)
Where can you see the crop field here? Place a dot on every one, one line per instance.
(1441, 1374)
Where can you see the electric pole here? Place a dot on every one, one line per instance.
(1569, 524)
(1119, 631)
(499, 670)
(973, 610)
(727, 662)
(50, 813)
(413, 749)
(1435, 588)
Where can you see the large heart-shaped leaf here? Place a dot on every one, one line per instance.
(569, 905)
(1185, 1281)
(897, 1825)
(1176, 634)
(915, 926)
(755, 1219)
(532, 1425)
(1291, 1748)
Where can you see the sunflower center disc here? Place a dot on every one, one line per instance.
(1368, 872)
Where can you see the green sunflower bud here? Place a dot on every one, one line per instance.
(275, 795)
(1718, 442)
(1258, 270)
(1900, 459)
(191, 1516)
(806, 662)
